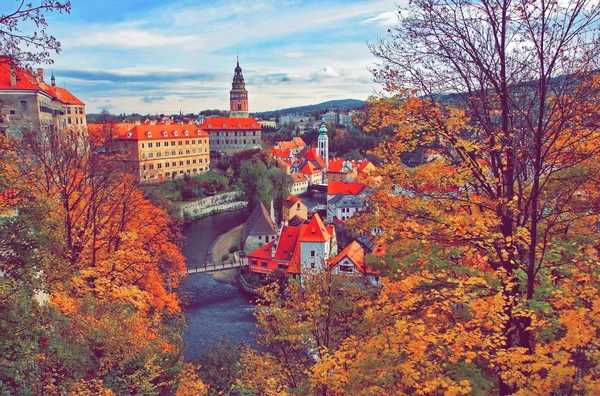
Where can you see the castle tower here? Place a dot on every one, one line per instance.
(238, 96)
(323, 143)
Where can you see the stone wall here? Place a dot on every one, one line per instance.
(211, 205)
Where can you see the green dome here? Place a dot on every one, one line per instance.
(323, 128)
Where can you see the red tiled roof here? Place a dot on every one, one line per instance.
(316, 231)
(25, 80)
(220, 123)
(284, 162)
(310, 153)
(346, 188)
(336, 165)
(263, 251)
(158, 131)
(287, 243)
(281, 153)
(309, 169)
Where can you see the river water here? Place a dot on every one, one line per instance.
(214, 310)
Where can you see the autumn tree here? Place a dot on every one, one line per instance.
(23, 31)
(281, 184)
(487, 236)
(297, 332)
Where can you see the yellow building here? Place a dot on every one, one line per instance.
(162, 151)
(293, 206)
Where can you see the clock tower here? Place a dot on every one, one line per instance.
(238, 96)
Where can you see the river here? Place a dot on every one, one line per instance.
(214, 310)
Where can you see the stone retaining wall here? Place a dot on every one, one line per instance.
(211, 205)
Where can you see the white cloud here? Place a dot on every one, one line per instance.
(293, 54)
(384, 19)
(328, 72)
(130, 38)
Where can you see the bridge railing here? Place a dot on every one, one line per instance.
(218, 265)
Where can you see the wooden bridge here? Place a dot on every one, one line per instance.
(217, 266)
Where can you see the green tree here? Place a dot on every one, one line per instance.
(220, 366)
(254, 184)
(281, 184)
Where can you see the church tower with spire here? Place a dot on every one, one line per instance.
(238, 96)
(323, 143)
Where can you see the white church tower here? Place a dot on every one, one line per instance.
(323, 144)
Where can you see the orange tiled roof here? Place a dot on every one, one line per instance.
(220, 123)
(316, 231)
(346, 188)
(299, 142)
(309, 169)
(158, 131)
(336, 165)
(355, 252)
(298, 177)
(67, 97)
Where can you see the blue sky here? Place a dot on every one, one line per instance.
(163, 56)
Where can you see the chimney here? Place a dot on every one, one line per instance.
(272, 212)
(136, 121)
(13, 76)
(180, 123)
(152, 122)
(167, 122)
(40, 74)
(53, 80)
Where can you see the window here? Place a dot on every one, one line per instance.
(218, 142)
(149, 145)
(298, 206)
(173, 152)
(193, 161)
(173, 163)
(180, 163)
(281, 266)
(187, 152)
(149, 134)
(166, 153)
(173, 143)
(263, 263)
(175, 133)
(159, 166)
(142, 143)
(180, 152)
(312, 265)
(187, 142)
(313, 253)
(167, 174)
(254, 262)
(346, 268)
(150, 155)
(157, 144)
(12, 111)
(164, 133)
(260, 237)
(180, 143)
(187, 162)
(69, 120)
(151, 166)
(193, 142)
(167, 165)
(224, 126)
(68, 110)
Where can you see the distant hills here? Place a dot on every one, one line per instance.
(339, 104)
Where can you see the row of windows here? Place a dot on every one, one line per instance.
(238, 125)
(223, 133)
(78, 110)
(173, 153)
(236, 141)
(180, 143)
(173, 164)
(172, 174)
(77, 121)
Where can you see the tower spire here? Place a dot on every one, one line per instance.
(238, 96)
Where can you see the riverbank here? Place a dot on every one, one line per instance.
(220, 247)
